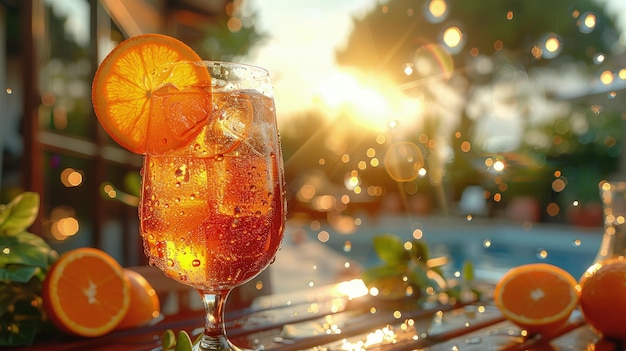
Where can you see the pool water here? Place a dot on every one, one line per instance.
(493, 246)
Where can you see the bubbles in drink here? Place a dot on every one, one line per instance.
(214, 207)
(247, 186)
(181, 174)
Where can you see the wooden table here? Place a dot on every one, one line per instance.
(326, 318)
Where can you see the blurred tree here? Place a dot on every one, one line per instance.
(229, 37)
(499, 57)
(388, 37)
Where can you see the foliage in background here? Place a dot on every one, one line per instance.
(24, 262)
(506, 36)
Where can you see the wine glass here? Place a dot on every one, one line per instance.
(212, 211)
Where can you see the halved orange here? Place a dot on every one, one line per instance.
(144, 302)
(538, 297)
(603, 297)
(126, 80)
(86, 292)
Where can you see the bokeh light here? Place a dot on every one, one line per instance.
(403, 161)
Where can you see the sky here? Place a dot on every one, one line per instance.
(303, 37)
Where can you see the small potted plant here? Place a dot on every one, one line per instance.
(24, 261)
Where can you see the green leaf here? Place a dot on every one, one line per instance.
(26, 249)
(183, 342)
(375, 274)
(419, 251)
(132, 183)
(418, 277)
(20, 274)
(390, 249)
(19, 335)
(8, 296)
(20, 213)
(468, 271)
(168, 339)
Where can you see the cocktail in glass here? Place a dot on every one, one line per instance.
(212, 208)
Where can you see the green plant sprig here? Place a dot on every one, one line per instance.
(177, 342)
(404, 272)
(24, 262)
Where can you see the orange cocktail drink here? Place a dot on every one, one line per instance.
(212, 210)
(212, 206)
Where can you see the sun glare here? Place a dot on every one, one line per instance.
(371, 103)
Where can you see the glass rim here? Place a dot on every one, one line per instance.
(224, 75)
(230, 63)
(263, 73)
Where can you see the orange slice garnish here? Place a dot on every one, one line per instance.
(129, 76)
(86, 292)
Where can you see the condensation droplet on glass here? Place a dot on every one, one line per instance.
(170, 262)
(611, 94)
(487, 243)
(195, 263)
(577, 242)
(9, 91)
(542, 254)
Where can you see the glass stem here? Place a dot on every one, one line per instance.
(214, 337)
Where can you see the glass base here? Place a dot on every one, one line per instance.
(215, 344)
(220, 344)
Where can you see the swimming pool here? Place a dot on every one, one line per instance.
(493, 246)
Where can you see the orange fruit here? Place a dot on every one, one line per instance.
(603, 297)
(538, 297)
(144, 302)
(127, 78)
(86, 292)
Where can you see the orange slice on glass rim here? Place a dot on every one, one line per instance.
(86, 292)
(538, 297)
(127, 78)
